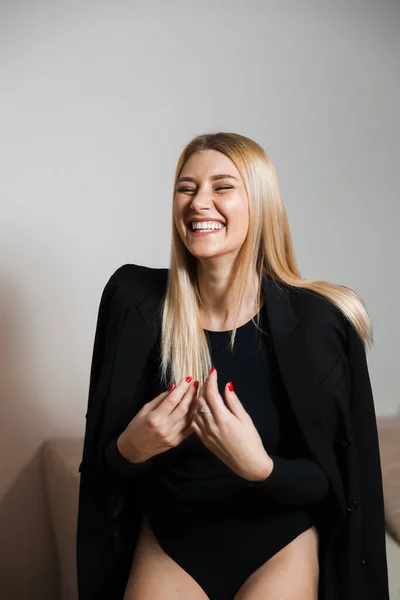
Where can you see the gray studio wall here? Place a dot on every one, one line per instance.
(97, 100)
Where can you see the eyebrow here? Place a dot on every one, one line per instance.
(213, 178)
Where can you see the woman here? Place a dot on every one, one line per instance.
(231, 449)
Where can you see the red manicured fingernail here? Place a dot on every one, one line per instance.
(196, 384)
(170, 387)
(189, 379)
(230, 386)
(212, 369)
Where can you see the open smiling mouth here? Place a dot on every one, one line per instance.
(203, 232)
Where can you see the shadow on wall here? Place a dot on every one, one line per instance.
(28, 564)
(61, 459)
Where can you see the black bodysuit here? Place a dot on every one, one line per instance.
(216, 525)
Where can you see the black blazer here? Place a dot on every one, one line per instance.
(323, 365)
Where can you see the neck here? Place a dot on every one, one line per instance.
(216, 295)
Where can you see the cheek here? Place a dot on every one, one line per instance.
(178, 208)
(238, 224)
(177, 217)
(238, 212)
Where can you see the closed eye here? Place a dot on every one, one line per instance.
(227, 187)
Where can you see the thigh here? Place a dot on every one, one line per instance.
(156, 576)
(291, 574)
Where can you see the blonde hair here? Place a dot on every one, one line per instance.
(268, 249)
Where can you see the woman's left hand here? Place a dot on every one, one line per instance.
(230, 433)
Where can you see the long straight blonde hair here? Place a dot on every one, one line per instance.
(268, 249)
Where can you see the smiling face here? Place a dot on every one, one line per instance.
(201, 195)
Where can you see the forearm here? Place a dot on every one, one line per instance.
(295, 481)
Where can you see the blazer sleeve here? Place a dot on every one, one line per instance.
(111, 313)
(96, 562)
(296, 481)
(366, 445)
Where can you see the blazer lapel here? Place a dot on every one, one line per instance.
(142, 323)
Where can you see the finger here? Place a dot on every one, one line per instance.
(172, 400)
(184, 411)
(188, 420)
(193, 407)
(233, 402)
(213, 397)
(200, 401)
(203, 421)
(197, 429)
(152, 404)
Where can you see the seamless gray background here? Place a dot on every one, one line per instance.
(97, 99)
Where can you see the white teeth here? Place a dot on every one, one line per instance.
(207, 225)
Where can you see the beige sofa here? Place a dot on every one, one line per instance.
(62, 457)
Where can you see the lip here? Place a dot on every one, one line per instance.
(202, 219)
(203, 233)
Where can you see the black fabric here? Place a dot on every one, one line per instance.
(121, 464)
(217, 525)
(323, 364)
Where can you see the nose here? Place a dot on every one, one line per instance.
(201, 201)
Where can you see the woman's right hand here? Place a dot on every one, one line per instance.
(160, 424)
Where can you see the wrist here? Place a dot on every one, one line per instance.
(265, 470)
(126, 450)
